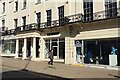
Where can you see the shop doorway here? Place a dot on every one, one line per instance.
(55, 50)
(58, 47)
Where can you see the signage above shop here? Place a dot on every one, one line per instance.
(78, 43)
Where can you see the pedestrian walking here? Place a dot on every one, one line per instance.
(50, 56)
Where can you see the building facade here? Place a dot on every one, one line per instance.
(78, 31)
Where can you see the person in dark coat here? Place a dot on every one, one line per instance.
(50, 57)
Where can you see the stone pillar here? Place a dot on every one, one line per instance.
(34, 49)
(17, 49)
(83, 56)
(42, 49)
(24, 49)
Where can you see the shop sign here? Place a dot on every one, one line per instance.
(78, 43)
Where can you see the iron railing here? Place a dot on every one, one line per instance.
(67, 20)
(75, 18)
(26, 27)
(102, 15)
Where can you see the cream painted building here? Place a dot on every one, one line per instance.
(78, 31)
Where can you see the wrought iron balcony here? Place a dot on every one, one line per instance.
(8, 32)
(75, 18)
(3, 29)
(66, 20)
(102, 15)
(26, 27)
(53, 24)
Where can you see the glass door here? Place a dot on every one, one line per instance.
(55, 52)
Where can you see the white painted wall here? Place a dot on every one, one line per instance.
(71, 7)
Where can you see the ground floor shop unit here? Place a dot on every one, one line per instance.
(36, 45)
(77, 43)
(96, 51)
(7, 45)
(80, 49)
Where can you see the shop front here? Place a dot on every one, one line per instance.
(97, 51)
(8, 44)
(58, 47)
(28, 46)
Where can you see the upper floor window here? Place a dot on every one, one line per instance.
(38, 1)
(119, 4)
(24, 21)
(15, 22)
(61, 15)
(110, 8)
(38, 18)
(3, 25)
(48, 17)
(24, 3)
(88, 10)
(16, 5)
(3, 7)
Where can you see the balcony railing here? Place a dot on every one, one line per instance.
(102, 15)
(53, 24)
(26, 27)
(67, 20)
(3, 29)
(8, 32)
(75, 18)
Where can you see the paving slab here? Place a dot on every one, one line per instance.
(60, 69)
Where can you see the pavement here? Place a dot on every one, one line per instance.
(58, 70)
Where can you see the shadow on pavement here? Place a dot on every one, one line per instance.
(25, 74)
(116, 76)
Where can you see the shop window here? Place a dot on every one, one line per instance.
(9, 46)
(62, 49)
